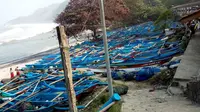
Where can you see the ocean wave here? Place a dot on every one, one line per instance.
(24, 31)
(48, 48)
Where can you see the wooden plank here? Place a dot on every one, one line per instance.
(190, 17)
(64, 50)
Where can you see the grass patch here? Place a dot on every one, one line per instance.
(96, 104)
(116, 107)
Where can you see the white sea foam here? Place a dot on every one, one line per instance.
(24, 31)
(49, 48)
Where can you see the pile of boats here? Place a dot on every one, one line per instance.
(131, 47)
(36, 92)
(136, 52)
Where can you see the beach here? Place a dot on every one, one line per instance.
(5, 71)
(19, 50)
(140, 99)
(5, 68)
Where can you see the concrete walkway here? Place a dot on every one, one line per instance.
(190, 63)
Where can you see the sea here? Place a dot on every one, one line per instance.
(23, 41)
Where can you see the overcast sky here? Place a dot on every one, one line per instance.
(11, 9)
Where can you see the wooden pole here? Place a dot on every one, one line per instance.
(64, 50)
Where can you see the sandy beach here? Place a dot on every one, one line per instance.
(139, 99)
(5, 68)
(5, 72)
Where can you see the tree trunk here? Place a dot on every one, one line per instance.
(94, 34)
(75, 38)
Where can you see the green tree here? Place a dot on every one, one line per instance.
(163, 20)
(82, 15)
(144, 10)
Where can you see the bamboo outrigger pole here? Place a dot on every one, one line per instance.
(64, 50)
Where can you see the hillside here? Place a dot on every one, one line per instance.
(43, 15)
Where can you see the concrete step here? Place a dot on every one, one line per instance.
(178, 87)
(175, 91)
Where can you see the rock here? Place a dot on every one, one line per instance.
(175, 91)
(120, 89)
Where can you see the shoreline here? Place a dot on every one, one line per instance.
(29, 58)
(5, 68)
(22, 62)
(39, 55)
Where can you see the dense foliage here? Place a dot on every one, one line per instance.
(144, 10)
(162, 21)
(85, 14)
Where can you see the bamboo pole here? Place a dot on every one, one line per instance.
(79, 81)
(19, 86)
(22, 100)
(107, 107)
(96, 96)
(9, 82)
(56, 81)
(5, 103)
(57, 96)
(64, 50)
(43, 79)
(36, 85)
